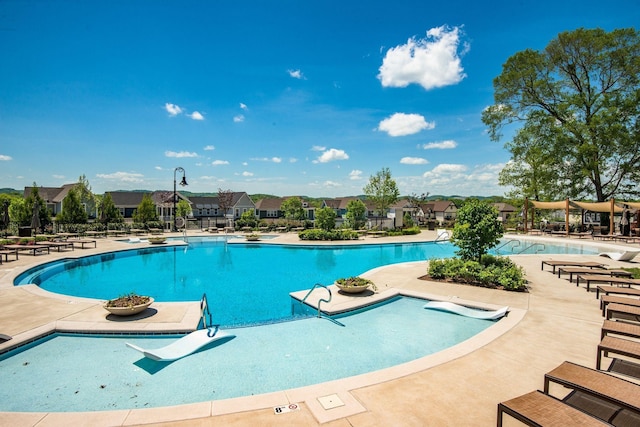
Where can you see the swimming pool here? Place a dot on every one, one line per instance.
(91, 373)
(244, 283)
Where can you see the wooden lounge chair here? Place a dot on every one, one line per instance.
(623, 311)
(84, 242)
(6, 253)
(606, 290)
(554, 264)
(539, 409)
(595, 383)
(618, 346)
(621, 256)
(34, 249)
(584, 270)
(57, 245)
(622, 281)
(620, 328)
(612, 299)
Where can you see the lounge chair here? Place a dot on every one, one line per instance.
(4, 338)
(606, 290)
(618, 346)
(584, 270)
(621, 281)
(621, 256)
(625, 367)
(599, 394)
(623, 311)
(611, 299)
(539, 409)
(554, 264)
(620, 328)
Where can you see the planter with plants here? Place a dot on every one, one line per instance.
(156, 240)
(355, 284)
(128, 305)
(253, 237)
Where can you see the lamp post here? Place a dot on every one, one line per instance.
(183, 182)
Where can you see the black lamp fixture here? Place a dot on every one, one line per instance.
(183, 182)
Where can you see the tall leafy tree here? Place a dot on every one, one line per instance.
(109, 213)
(382, 191)
(225, 200)
(73, 211)
(356, 214)
(146, 210)
(23, 215)
(477, 230)
(87, 198)
(293, 210)
(580, 97)
(326, 218)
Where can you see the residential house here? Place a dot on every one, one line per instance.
(438, 210)
(505, 211)
(128, 201)
(54, 198)
(270, 208)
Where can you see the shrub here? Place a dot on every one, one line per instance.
(491, 272)
(336, 234)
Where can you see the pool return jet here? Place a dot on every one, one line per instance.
(190, 343)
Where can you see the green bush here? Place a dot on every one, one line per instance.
(335, 234)
(491, 272)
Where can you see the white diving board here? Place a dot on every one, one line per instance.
(184, 346)
(466, 311)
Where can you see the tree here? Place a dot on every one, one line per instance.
(109, 213)
(87, 198)
(146, 210)
(382, 191)
(22, 213)
(183, 208)
(477, 230)
(579, 99)
(326, 218)
(225, 200)
(356, 214)
(293, 210)
(73, 211)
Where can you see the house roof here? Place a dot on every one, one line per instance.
(504, 207)
(269, 204)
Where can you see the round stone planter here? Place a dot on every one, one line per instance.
(128, 311)
(352, 289)
(157, 240)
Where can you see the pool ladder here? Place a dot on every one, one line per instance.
(516, 243)
(205, 312)
(321, 300)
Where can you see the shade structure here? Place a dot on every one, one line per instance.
(609, 206)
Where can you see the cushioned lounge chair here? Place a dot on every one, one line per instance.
(621, 256)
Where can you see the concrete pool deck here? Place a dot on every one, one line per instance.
(555, 321)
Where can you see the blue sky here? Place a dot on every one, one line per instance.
(281, 97)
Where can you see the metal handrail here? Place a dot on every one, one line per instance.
(318, 285)
(508, 242)
(542, 248)
(204, 309)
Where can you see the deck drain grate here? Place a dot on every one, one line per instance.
(331, 401)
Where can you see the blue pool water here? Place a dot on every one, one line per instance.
(244, 283)
(91, 373)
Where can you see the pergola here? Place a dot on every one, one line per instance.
(609, 206)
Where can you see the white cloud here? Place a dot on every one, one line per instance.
(172, 109)
(431, 62)
(243, 106)
(196, 116)
(296, 74)
(209, 148)
(245, 173)
(401, 124)
(331, 184)
(5, 158)
(331, 155)
(180, 154)
(58, 176)
(318, 148)
(238, 119)
(267, 159)
(413, 161)
(443, 145)
(122, 176)
(355, 175)
(219, 162)
(292, 160)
